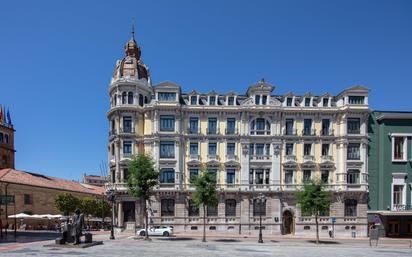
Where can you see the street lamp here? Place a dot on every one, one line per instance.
(261, 199)
(111, 196)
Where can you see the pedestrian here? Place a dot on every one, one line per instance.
(330, 232)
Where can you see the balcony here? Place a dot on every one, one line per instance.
(327, 132)
(260, 157)
(213, 157)
(259, 186)
(308, 158)
(192, 131)
(290, 132)
(231, 132)
(231, 157)
(290, 158)
(166, 185)
(127, 155)
(402, 207)
(260, 132)
(127, 131)
(326, 158)
(195, 157)
(212, 131)
(308, 132)
(112, 132)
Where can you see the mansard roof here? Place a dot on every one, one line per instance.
(355, 89)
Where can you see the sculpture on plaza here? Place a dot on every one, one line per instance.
(77, 226)
(71, 232)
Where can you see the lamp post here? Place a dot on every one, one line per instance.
(111, 196)
(261, 199)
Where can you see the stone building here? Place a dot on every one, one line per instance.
(257, 142)
(390, 171)
(35, 193)
(6, 140)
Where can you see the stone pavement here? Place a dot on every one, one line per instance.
(126, 245)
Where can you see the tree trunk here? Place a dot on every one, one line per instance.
(204, 223)
(146, 221)
(317, 228)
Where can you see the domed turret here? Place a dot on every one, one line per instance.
(131, 66)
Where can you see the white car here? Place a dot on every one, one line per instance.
(156, 231)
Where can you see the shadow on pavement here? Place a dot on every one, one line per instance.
(324, 242)
(175, 238)
(227, 240)
(29, 236)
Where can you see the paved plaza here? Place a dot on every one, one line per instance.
(184, 245)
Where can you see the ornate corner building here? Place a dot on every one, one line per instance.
(257, 142)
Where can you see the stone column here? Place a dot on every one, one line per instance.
(244, 164)
(120, 215)
(276, 165)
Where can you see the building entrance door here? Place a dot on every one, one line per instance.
(128, 211)
(287, 222)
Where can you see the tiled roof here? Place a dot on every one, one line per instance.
(39, 180)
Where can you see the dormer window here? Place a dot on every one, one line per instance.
(289, 101)
(230, 100)
(212, 100)
(257, 99)
(193, 100)
(166, 97)
(356, 99)
(325, 102)
(264, 99)
(307, 102)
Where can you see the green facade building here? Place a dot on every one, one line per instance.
(390, 172)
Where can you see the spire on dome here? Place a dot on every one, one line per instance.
(133, 28)
(131, 48)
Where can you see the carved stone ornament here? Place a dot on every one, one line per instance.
(276, 149)
(245, 149)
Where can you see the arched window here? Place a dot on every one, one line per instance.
(115, 100)
(130, 98)
(141, 100)
(146, 100)
(230, 207)
(124, 96)
(4, 160)
(6, 138)
(260, 126)
(1, 138)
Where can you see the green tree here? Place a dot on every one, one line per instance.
(104, 209)
(143, 177)
(205, 194)
(66, 203)
(314, 200)
(88, 205)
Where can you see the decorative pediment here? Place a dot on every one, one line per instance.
(232, 163)
(213, 163)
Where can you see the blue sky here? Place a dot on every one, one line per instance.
(57, 57)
